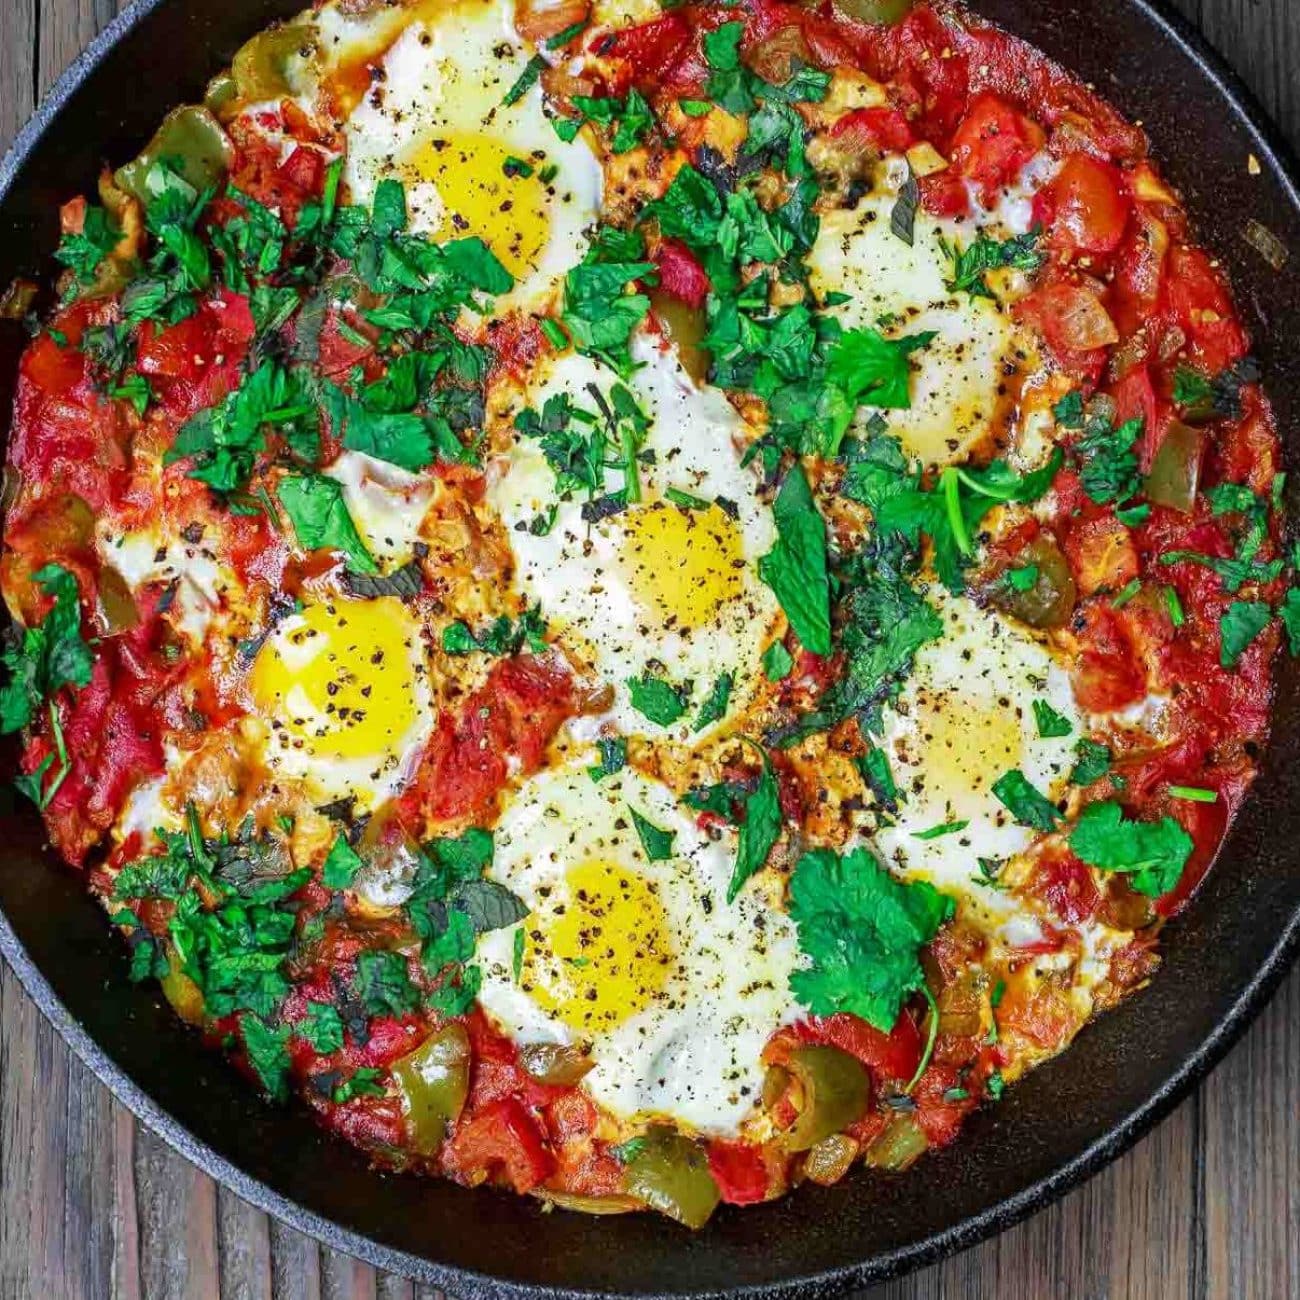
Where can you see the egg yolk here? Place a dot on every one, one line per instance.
(509, 213)
(338, 678)
(681, 565)
(967, 744)
(601, 953)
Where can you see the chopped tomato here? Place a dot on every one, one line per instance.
(1201, 305)
(501, 1141)
(740, 1171)
(680, 273)
(1065, 885)
(884, 128)
(890, 1057)
(992, 145)
(1084, 207)
(648, 49)
(1107, 674)
(1101, 553)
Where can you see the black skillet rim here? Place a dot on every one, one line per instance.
(1277, 158)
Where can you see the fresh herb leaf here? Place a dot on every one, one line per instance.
(1153, 854)
(320, 518)
(656, 699)
(1030, 808)
(1239, 625)
(341, 865)
(777, 661)
(1050, 723)
(983, 254)
(795, 567)
(715, 703)
(267, 1054)
(1092, 761)
(657, 843)
(863, 932)
(503, 636)
(613, 757)
(322, 1027)
(384, 985)
(759, 830)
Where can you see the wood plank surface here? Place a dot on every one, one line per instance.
(93, 1206)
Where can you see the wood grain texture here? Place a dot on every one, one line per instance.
(91, 1206)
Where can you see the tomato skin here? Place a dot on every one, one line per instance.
(1203, 309)
(1084, 207)
(740, 1171)
(304, 169)
(1065, 885)
(944, 194)
(650, 48)
(680, 273)
(992, 144)
(1107, 674)
(504, 1140)
(886, 128)
(466, 761)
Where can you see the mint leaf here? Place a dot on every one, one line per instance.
(1029, 807)
(759, 830)
(657, 843)
(795, 567)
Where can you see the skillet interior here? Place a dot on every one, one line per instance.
(1221, 959)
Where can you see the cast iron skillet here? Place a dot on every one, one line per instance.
(1222, 959)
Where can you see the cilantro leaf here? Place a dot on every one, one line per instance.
(795, 567)
(1030, 808)
(863, 932)
(613, 757)
(315, 505)
(41, 660)
(322, 1027)
(384, 985)
(1109, 464)
(1152, 853)
(599, 314)
(341, 866)
(503, 636)
(267, 1054)
(1050, 723)
(871, 369)
(83, 251)
(715, 703)
(631, 118)
(984, 254)
(728, 85)
(1239, 625)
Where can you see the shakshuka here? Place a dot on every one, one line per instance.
(638, 604)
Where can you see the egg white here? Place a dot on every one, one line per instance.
(595, 601)
(693, 1052)
(901, 289)
(387, 503)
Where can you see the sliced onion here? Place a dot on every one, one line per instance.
(590, 1204)
(1082, 323)
(1266, 244)
(539, 20)
(831, 1159)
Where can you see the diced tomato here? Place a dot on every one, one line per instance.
(304, 169)
(501, 1141)
(1201, 305)
(1065, 885)
(196, 362)
(992, 144)
(680, 273)
(884, 128)
(1084, 207)
(944, 193)
(939, 1116)
(1101, 553)
(1107, 674)
(1074, 324)
(650, 48)
(740, 1171)
(1139, 267)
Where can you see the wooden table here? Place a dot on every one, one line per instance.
(92, 1205)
